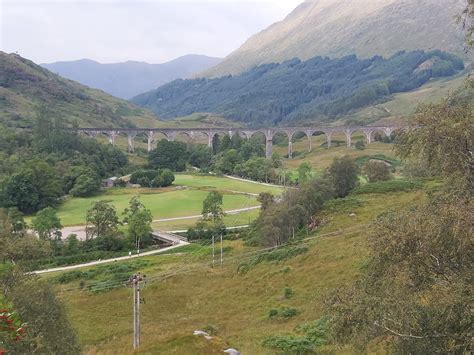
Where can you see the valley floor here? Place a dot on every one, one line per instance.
(184, 293)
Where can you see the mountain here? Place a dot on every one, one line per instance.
(319, 89)
(26, 88)
(128, 79)
(336, 28)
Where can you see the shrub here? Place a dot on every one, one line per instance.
(288, 292)
(316, 331)
(314, 335)
(273, 313)
(289, 344)
(360, 145)
(388, 186)
(69, 276)
(377, 171)
(288, 312)
(153, 178)
(275, 255)
(344, 174)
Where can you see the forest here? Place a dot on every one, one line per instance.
(320, 88)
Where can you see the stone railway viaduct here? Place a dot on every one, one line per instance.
(171, 133)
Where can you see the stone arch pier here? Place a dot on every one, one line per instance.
(171, 133)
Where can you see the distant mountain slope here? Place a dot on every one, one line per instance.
(319, 89)
(336, 28)
(26, 87)
(129, 79)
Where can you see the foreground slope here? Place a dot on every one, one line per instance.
(128, 79)
(27, 88)
(185, 294)
(338, 27)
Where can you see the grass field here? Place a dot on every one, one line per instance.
(184, 198)
(230, 220)
(321, 157)
(236, 305)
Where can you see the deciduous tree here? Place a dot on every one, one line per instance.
(101, 220)
(344, 174)
(47, 224)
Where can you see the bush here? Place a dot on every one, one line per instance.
(288, 312)
(288, 292)
(285, 312)
(275, 255)
(85, 185)
(289, 344)
(377, 171)
(152, 178)
(344, 174)
(315, 335)
(273, 313)
(69, 276)
(388, 186)
(360, 145)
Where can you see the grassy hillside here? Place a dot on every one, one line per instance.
(26, 88)
(338, 28)
(184, 294)
(404, 104)
(318, 89)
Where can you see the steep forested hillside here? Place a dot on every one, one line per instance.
(27, 88)
(129, 79)
(318, 89)
(336, 28)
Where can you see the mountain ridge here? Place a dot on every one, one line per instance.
(27, 88)
(130, 78)
(344, 27)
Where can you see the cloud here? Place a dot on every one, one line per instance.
(117, 30)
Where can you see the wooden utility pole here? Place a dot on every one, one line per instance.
(222, 260)
(213, 252)
(135, 282)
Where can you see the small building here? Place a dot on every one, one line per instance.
(109, 182)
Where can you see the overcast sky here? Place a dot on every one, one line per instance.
(153, 31)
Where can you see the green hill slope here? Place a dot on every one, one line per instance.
(336, 28)
(319, 89)
(185, 294)
(26, 87)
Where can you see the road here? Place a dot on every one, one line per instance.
(80, 231)
(179, 243)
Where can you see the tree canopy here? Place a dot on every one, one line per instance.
(296, 90)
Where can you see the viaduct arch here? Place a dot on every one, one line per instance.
(171, 133)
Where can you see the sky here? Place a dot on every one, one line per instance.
(152, 31)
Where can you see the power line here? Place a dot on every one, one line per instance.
(187, 267)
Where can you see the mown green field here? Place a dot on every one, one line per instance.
(185, 294)
(184, 198)
(230, 220)
(321, 157)
(223, 184)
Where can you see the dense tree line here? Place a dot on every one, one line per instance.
(294, 90)
(283, 220)
(234, 156)
(38, 167)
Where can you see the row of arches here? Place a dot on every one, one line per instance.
(150, 137)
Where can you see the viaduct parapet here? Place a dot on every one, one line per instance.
(151, 134)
